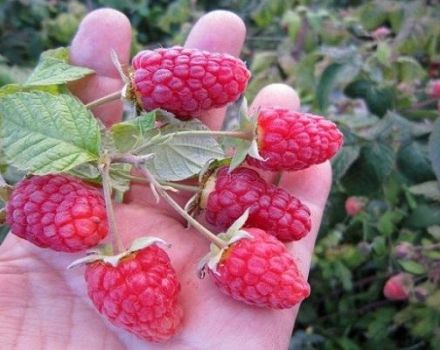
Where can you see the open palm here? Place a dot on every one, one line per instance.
(43, 306)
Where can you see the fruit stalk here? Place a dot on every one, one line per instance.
(108, 98)
(117, 245)
(159, 189)
(235, 134)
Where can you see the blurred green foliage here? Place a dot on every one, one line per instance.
(366, 65)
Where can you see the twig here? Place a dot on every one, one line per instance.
(118, 247)
(158, 188)
(100, 101)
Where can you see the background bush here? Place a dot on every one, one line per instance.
(368, 65)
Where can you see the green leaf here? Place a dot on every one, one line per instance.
(179, 156)
(127, 135)
(379, 99)
(424, 216)
(14, 88)
(412, 267)
(240, 153)
(334, 75)
(413, 161)
(44, 133)
(387, 222)
(344, 160)
(383, 53)
(434, 148)
(409, 69)
(53, 69)
(429, 189)
(380, 158)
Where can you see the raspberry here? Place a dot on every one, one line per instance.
(187, 82)
(380, 33)
(291, 140)
(139, 294)
(260, 272)
(58, 212)
(433, 89)
(397, 287)
(354, 205)
(227, 195)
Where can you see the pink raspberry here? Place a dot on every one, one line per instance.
(260, 272)
(433, 89)
(187, 82)
(227, 195)
(139, 294)
(397, 287)
(354, 205)
(380, 33)
(290, 140)
(58, 212)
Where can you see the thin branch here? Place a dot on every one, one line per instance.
(158, 188)
(100, 101)
(118, 247)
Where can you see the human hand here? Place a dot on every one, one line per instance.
(44, 306)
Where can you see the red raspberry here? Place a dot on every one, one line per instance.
(139, 294)
(227, 195)
(433, 89)
(397, 287)
(260, 272)
(291, 140)
(354, 205)
(58, 212)
(187, 82)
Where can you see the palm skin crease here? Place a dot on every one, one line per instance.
(44, 306)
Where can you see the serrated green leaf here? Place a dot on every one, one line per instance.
(127, 135)
(44, 133)
(412, 267)
(343, 160)
(434, 148)
(53, 69)
(180, 156)
(429, 189)
(14, 88)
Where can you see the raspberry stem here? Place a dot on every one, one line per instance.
(117, 245)
(105, 99)
(235, 134)
(176, 185)
(156, 187)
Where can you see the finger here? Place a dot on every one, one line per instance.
(312, 187)
(217, 31)
(274, 95)
(100, 32)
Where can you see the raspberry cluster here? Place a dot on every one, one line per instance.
(137, 289)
